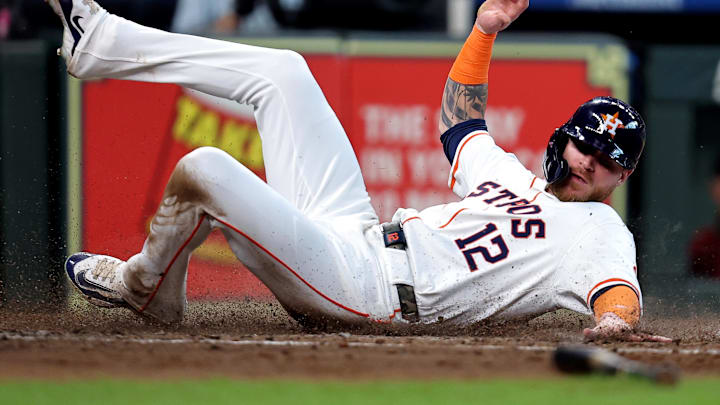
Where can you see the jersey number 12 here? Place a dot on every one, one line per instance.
(519, 229)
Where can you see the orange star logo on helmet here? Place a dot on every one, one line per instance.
(612, 123)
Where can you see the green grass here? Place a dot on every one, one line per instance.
(579, 391)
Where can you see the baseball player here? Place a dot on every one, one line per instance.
(514, 246)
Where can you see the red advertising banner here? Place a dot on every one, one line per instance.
(134, 133)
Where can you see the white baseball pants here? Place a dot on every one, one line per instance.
(309, 233)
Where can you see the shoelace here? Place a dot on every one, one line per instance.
(93, 6)
(105, 270)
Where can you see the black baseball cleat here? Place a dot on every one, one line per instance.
(98, 278)
(77, 16)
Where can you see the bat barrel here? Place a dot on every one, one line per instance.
(586, 360)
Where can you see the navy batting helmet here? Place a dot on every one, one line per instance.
(604, 123)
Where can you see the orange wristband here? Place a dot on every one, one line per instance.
(473, 63)
(620, 300)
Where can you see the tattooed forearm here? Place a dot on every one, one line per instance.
(462, 102)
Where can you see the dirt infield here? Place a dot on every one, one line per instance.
(254, 339)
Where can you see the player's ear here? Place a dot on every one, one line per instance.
(624, 175)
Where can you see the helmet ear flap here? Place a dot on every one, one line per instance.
(555, 167)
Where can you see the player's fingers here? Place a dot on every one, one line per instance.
(493, 21)
(645, 337)
(590, 334)
(495, 16)
(594, 334)
(518, 7)
(605, 334)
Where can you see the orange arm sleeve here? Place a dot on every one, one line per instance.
(620, 300)
(473, 63)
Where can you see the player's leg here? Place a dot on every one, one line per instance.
(310, 268)
(308, 158)
(309, 162)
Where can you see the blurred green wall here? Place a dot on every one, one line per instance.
(683, 123)
(31, 176)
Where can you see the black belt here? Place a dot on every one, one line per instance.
(394, 238)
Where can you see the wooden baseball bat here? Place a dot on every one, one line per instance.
(585, 360)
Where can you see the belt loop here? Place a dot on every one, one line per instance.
(408, 304)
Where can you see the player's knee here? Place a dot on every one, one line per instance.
(293, 59)
(201, 160)
(293, 65)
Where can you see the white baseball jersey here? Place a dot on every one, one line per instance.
(510, 248)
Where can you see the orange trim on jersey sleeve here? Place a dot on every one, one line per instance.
(472, 64)
(411, 218)
(457, 158)
(534, 198)
(610, 280)
(620, 300)
(453, 217)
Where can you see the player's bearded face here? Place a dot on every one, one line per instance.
(593, 175)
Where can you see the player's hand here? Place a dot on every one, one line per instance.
(612, 327)
(495, 15)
